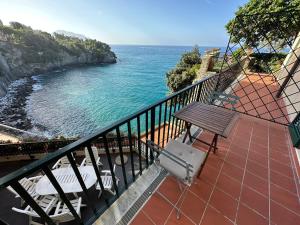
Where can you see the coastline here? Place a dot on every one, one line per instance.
(13, 103)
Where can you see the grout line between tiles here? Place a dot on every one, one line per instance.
(239, 199)
(269, 174)
(207, 204)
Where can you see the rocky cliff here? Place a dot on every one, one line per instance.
(26, 52)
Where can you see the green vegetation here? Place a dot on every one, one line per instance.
(263, 25)
(265, 17)
(41, 47)
(185, 71)
(266, 62)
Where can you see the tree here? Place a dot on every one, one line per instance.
(257, 22)
(19, 26)
(185, 71)
(189, 59)
(1, 23)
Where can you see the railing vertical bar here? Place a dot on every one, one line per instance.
(146, 147)
(80, 180)
(169, 119)
(121, 156)
(30, 201)
(195, 93)
(190, 94)
(139, 143)
(159, 124)
(176, 127)
(173, 119)
(110, 164)
(199, 92)
(130, 149)
(165, 119)
(61, 193)
(152, 132)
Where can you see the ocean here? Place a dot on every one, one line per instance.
(78, 101)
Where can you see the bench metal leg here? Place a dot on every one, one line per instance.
(212, 146)
(188, 132)
(215, 140)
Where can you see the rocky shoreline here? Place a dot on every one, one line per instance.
(12, 108)
(13, 104)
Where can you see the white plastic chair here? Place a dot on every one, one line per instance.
(87, 161)
(45, 202)
(107, 182)
(63, 214)
(28, 184)
(63, 162)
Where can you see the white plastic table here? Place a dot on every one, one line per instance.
(67, 180)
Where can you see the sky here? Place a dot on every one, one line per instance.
(141, 22)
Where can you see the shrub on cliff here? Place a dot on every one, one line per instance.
(41, 47)
(185, 71)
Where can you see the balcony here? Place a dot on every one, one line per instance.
(252, 179)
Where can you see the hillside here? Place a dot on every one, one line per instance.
(25, 52)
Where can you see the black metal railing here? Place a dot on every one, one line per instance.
(269, 81)
(257, 97)
(154, 122)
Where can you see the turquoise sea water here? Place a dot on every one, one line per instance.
(80, 100)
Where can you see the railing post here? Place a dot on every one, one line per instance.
(121, 157)
(130, 149)
(152, 131)
(110, 164)
(199, 92)
(139, 143)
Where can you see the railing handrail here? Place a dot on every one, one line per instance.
(54, 156)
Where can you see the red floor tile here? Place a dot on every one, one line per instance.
(224, 203)
(182, 220)
(229, 185)
(258, 158)
(141, 218)
(285, 198)
(284, 169)
(255, 201)
(212, 217)
(257, 169)
(158, 209)
(280, 157)
(233, 171)
(236, 160)
(282, 216)
(209, 174)
(170, 189)
(256, 183)
(283, 181)
(247, 216)
(202, 189)
(214, 162)
(193, 207)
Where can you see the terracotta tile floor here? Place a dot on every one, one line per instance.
(250, 180)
